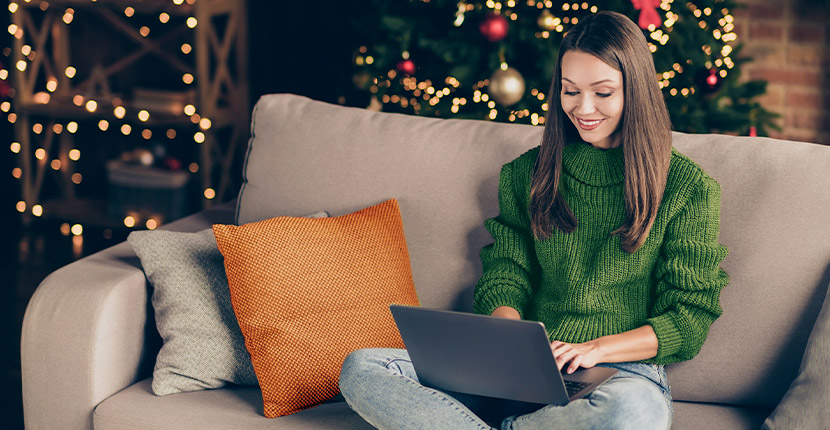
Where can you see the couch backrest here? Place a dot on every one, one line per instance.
(305, 156)
(775, 221)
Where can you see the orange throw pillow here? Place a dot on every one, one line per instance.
(307, 292)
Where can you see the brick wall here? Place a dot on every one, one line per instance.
(789, 42)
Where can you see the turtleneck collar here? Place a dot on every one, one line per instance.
(594, 166)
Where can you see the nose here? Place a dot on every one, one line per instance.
(586, 105)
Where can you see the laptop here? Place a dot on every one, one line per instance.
(490, 357)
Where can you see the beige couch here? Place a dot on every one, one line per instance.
(89, 343)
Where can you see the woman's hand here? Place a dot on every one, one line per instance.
(633, 345)
(506, 312)
(575, 355)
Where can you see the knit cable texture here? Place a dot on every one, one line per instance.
(582, 285)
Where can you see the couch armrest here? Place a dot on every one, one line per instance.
(84, 332)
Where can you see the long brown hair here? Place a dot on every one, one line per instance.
(644, 130)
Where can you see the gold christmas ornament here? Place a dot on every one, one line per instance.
(547, 21)
(506, 86)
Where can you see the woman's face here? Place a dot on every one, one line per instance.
(592, 97)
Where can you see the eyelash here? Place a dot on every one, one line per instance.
(573, 93)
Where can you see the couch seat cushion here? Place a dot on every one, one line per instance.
(232, 407)
(696, 416)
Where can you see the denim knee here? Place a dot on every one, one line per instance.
(641, 407)
(355, 366)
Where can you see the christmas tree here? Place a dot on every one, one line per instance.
(494, 60)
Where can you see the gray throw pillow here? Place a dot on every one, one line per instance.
(806, 405)
(203, 347)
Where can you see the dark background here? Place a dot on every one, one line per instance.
(294, 47)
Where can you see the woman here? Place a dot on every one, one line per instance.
(605, 234)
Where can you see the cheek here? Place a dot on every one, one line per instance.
(567, 104)
(614, 108)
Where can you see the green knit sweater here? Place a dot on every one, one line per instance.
(582, 285)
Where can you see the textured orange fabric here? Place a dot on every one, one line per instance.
(307, 292)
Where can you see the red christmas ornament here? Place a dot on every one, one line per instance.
(494, 27)
(712, 80)
(648, 13)
(406, 66)
(172, 163)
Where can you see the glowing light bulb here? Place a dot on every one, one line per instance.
(77, 229)
(143, 115)
(103, 125)
(70, 72)
(91, 105)
(210, 194)
(120, 112)
(129, 221)
(74, 154)
(189, 110)
(191, 22)
(72, 127)
(199, 137)
(37, 210)
(15, 147)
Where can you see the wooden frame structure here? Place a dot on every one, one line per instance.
(46, 92)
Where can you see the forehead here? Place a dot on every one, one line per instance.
(582, 68)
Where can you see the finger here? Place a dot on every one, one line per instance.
(567, 357)
(575, 363)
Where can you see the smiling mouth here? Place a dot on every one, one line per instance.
(589, 124)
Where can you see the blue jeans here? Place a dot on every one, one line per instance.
(382, 387)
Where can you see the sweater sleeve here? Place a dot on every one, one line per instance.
(507, 262)
(689, 278)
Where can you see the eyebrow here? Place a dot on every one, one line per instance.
(592, 84)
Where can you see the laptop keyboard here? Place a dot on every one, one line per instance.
(574, 387)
